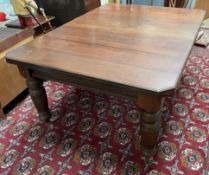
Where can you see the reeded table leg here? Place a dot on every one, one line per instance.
(39, 98)
(150, 123)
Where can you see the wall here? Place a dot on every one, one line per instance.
(104, 2)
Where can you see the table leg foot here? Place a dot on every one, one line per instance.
(39, 98)
(150, 124)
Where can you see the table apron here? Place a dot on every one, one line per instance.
(90, 83)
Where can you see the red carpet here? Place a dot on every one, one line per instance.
(93, 133)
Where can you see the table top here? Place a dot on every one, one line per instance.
(136, 46)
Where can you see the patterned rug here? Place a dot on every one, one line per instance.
(97, 134)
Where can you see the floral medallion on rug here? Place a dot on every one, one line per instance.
(93, 133)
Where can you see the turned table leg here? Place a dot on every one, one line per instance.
(39, 98)
(150, 123)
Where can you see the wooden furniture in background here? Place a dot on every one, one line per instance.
(179, 3)
(12, 84)
(36, 29)
(2, 115)
(204, 5)
(91, 4)
(133, 51)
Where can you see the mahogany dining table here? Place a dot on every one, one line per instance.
(128, 50)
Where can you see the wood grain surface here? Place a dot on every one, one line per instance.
(130, 45)
(11, 36)
(11, 82)
(204, 5)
